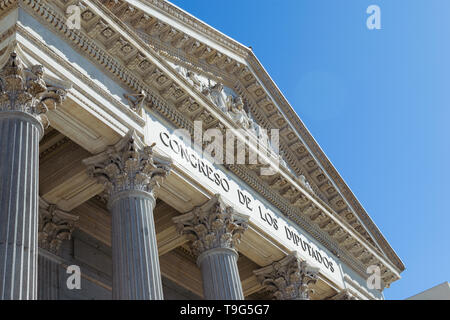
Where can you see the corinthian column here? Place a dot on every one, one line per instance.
(289, 278)
(215, 230)
(55, 226)
(131, 173)
(24, 100)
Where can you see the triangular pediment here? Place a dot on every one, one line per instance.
(157, 51)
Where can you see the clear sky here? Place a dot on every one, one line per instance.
(377, 102)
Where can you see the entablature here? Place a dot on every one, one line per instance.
(139, 68)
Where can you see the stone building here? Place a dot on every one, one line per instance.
(438, 292)
(102, 103)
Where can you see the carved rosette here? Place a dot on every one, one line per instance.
(24, 90)
(289, 278)
(55, 226)
(212, 225)
(129, 166)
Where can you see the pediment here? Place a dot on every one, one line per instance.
(193, 77)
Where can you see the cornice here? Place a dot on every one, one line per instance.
(180, 58)
(358, 289)
(6, 4)
(199, 26)
(325, 162)
(296, 215)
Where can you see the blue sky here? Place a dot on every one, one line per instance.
(377, 101)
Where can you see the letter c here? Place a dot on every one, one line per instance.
(162, 140)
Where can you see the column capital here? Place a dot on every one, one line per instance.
(23, 90)
(289, 278)
(129, 166)
(211, 226)
(55, 226)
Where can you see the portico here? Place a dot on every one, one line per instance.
(94, 171)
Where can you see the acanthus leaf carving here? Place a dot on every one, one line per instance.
(129, 165)
(289, 278)
(25, 90)
(212, 225)
(55, 226)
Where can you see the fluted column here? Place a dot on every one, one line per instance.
(48, 278)
(55, 226)
(24, 100)
(215, 230)
(220, 274)
(289, 278)
(131, 174)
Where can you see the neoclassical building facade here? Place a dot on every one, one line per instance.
(112, 114)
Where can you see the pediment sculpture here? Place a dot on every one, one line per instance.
(230, 104)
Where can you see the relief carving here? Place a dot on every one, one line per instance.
(24, 89)
(55, 226)
(212, 225)
(289, 278)
(129, 165)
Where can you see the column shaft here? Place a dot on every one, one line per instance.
(220, 275)
(24, 100)
(136, 271)
(48, 279)
(19, 161)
